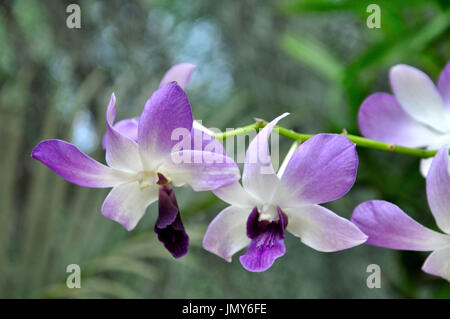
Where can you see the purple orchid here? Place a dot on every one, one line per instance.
(320, 170)
(388, 226)
(180, 73)
(418, 115)
(142, 171)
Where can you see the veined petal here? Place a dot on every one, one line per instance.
(259, 178)
(121, 151)
(70, 163)
(444, 85)
(323, 230)
(388, 226)
(201, 170)
(267, 242)
(127, 127)
(321, 170)
(166, 111)
(419, 97)
(126, 203)
(438, 263)
(234, 194)
(226, 234)
(180, 73)
(438, 189)
(382, 118)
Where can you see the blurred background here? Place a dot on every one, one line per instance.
(257, 58)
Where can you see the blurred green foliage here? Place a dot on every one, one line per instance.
(314, 58)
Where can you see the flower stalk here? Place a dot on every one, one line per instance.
(358, 140)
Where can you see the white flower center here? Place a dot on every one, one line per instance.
(268, 212)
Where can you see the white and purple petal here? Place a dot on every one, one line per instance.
(234, 194)
(70, 163)
(388, 226)
(121, 151)
(226, 234)
(419, 97)
(126, 203)
(382, 118)
(321, 170)
(438, 263)
(323, 230)
(127, 127)
(438, 189)
(259, 178)
(180, 73)
(200, 169)
(166, 111)
(444, 85)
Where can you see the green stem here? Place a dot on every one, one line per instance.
(358, 140)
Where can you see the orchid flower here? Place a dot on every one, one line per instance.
(180, 73)
(142, 172)
(266, 205)
(388, 226)
(417, 115)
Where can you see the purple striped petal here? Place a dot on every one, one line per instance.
(438, 189)
(438, 263)
(226, 234)
(419, 97)
(127, 127)
(388, 226)
(323, 230)
(70, 163)
(382, 118)
(267, 242)
(126, 203)
(167, 109)
(259, 178)
(180, 73)
(201, 170)
(169, 227)
(121, 151)
(322, 169)
(444, 85)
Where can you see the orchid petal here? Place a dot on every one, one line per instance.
(169, 227)
(444, 85)
(166, 111)
(438, 263)
(126, 203)
(70, 163)
(201, 170)
(127, 127)
(226, 234)
(388, 226)
(121, 151)
(267, 242)
(259, 178)
(419, 97)
(180, 73)
(321, 170)
(323, 230)
(382, 118)
(234, 194)
(438, 189)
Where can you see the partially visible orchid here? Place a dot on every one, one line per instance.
(388, 226)
(146, 169)
(417, 115)
(320, 170)
(180, 73)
